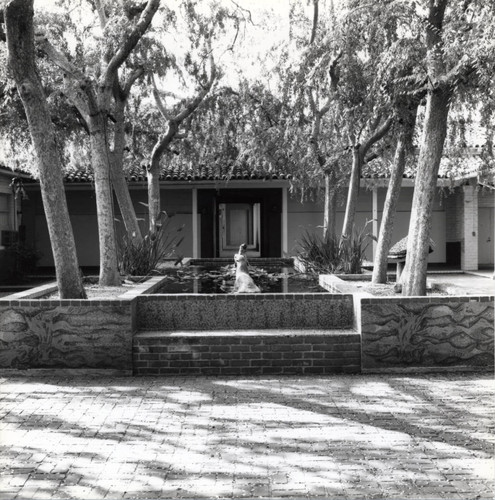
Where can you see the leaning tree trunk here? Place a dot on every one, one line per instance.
(20, 40)
(352, 195)
(154, 199)
(163, 142)
(431, 149)
(404, 143)
(124, 200)
(359, 152)
(329, 217)
(119, 183)
(153, 175)
(432, 141)
(109, 272)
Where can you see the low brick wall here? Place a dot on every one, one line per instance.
(421, 333)
(246, 353)
(38, 333)
(427, 333)
(244, 311)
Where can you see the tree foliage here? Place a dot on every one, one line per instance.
(320, 106)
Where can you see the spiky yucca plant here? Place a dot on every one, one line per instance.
(331, 256)
(141, 258)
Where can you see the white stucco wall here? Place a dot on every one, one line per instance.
(309, 215)
(82, 210)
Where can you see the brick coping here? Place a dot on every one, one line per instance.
(34, 296)
(426, 369)
(440, 299)
(243, 296)
(338, 289)
(336, 284)
(245, 333)
(96, 373)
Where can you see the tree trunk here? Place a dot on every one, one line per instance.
(163, 142)
(154, 200)
(329, 218)
(430, 154)
(100, 160)
(432, 141)
(352, 195)
(404, 143)
(118, 179)
(359, 152)
(20, 40)
(124, 200)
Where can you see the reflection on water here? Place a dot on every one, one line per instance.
(201, 279)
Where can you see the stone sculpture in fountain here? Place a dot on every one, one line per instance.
(243, 282)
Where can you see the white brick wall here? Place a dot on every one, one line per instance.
(469, 245)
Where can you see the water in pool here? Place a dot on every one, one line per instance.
(199, 279)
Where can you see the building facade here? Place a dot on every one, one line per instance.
(217, 215)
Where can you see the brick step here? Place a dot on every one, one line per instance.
(247, 352)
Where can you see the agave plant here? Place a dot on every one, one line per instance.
(141, 258)
(353, 250)
(329, 255)
(320, 255)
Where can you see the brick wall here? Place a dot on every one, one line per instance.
(242, 353)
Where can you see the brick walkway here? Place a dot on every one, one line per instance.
(342, 437)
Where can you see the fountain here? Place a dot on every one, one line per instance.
(243, 282)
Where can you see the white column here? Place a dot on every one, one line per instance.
(285, 227)
(195, 228)
(469, 249)
(374, 214)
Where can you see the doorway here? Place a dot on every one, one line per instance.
(485, 236)
(239, 223)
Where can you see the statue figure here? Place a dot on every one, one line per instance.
(243, 282)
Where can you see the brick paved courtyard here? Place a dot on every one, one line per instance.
(342, 437)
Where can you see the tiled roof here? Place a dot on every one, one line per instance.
(186, 173)
(468, 165)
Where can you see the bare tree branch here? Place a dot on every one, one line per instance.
(312, 102)
(377, 135)
(75, 81)
(249, 16)
(158, 100)
(173, 122)
(191, 107)
(58, 58)
(333, 71)
(131, 41)
(101, 13)
(315, 22)
(136, 74)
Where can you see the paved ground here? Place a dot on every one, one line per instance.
(340, 437)
(478, 283)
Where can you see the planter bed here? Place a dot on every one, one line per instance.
(422, 333)
(38, 330)
(453, 332)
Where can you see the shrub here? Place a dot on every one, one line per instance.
(319, 255)
(330, 256)
(23, 259)
(353, 250)
(141, 258)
